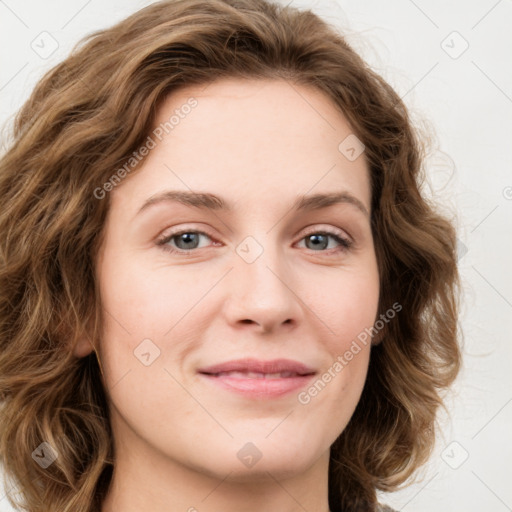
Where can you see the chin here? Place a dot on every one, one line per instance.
(263, 462)
(268, 470)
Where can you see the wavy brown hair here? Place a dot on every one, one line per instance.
(83, 121)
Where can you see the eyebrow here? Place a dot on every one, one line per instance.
(207, 201)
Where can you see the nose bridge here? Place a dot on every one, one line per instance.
(261, 283)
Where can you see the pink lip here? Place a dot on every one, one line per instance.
(259, 386)
(256, 365)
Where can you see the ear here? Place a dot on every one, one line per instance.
(83, 347)
(379, 336)
(377, 339)
(74, 338)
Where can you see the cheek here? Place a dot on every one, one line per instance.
(347, 306)
(147, 301)
(142, 312)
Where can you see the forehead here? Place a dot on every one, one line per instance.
(243, 107)
(249, 138)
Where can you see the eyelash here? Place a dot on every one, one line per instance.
(345, 243)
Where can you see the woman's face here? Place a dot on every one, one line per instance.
(256, 273)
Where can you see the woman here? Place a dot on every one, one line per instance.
(221, 287)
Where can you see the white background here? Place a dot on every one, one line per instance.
(467, 100)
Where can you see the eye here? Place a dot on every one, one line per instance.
(319, 241)
(184, 241)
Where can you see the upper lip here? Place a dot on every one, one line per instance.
(259, 366)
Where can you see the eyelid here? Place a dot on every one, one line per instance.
(345, 241)
(329, 230)
(342, 237)
(163, 239)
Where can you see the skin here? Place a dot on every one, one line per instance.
(258, 144)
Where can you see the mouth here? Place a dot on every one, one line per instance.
(254, 378)
(255, 375)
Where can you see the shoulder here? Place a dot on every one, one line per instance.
(385, 508)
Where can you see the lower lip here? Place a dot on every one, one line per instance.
(260, 388)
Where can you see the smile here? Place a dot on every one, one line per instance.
(254, 378)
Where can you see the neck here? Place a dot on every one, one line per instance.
(146, 480)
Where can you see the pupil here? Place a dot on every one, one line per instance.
(317, 240)
(187, 238)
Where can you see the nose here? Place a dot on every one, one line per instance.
(262, 293)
